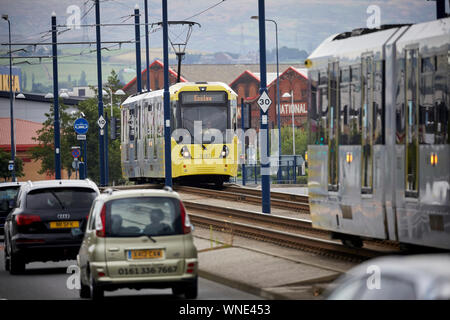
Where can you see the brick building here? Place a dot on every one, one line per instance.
(24, 132)
(292, 79)
(245, 81)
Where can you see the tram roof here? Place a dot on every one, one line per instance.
(175, 88)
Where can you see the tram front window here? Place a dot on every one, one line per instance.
(213, 120)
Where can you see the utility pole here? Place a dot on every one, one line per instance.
(147, 46)
(167, 140)
(265, 160)
(101, 136)
(137, 30)
(55, 100)
(11, 104)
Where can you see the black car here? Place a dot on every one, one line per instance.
(47, 222)
(8, 194)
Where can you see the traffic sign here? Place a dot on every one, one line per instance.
(75, 164)
(264, 101)
(81, 137)
(76, 153)
(81, 126)
(101, 122)
(10, 167)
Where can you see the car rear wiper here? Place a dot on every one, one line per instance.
(59, 200)
(150, 237)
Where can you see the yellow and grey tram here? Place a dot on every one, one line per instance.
(203, 123)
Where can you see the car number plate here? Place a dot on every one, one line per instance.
(145, 254)
(64, 224)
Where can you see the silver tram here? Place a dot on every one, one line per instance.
(379, 148)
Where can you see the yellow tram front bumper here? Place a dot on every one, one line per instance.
(191, 167)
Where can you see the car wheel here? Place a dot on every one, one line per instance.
(16, 264)
(191, 290)
(85, 291)
(95, 292)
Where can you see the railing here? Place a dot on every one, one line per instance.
(291, 172)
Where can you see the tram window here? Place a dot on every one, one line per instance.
(344, 103)
(378, 104)
(427, 111)
(400, 111)
(323, 114)
(441, 100)
(428, 64)
(355, 106)
(313, 112)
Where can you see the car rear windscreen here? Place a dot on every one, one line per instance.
(143, 216)
(60, 198)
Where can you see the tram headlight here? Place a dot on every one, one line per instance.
(225, 151)
(185, 153)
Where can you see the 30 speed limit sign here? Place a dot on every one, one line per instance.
(264, 101)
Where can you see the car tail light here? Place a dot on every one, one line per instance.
(27, 219)
(101, 228)
(185, 219)
(190, 267)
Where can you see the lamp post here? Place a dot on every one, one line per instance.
(11, 98)
(278, 98)
(110, 93)
(291, 95)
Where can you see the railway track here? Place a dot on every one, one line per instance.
(294, 203)
(293, 233)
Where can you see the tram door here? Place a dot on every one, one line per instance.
(412, 128)
(333, 143)
(367, 81)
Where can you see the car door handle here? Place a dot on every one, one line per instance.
(113, 249)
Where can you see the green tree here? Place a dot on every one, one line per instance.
(89, 107)
(5, 174)
(301, 140)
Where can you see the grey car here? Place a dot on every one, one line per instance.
(138, 239)
(415, 277)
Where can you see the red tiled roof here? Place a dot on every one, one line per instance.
(24, 132)
(129, 84)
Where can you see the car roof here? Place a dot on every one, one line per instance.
(413, 266)
(43, 184)
(11, 184)
(110, 194)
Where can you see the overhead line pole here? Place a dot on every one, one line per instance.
(101, 138)
(147, 46)
(56, 127)
(138, 50)
(264, 136)
(167, 140)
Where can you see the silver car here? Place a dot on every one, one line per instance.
(138, 239)
(419, 277)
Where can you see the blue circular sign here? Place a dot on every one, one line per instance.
(81, 126)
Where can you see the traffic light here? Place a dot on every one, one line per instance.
(115, 128)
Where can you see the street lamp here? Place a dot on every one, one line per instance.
(278, 97)
(11, 98)
(291, 95)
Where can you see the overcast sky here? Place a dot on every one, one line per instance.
(302, 24)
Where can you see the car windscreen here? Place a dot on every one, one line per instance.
(143, 216)
(7, 194)
(60, 198)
